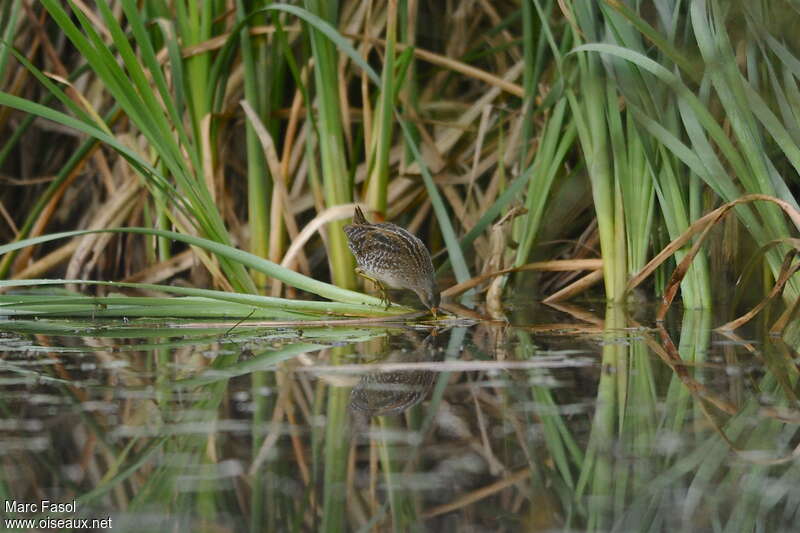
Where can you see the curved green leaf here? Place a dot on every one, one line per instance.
(247, 259)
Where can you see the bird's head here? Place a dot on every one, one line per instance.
(429, 295)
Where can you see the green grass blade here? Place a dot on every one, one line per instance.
(378, 178)
(247, 301)
(258, 176)
(453, 248)
(331, 33)
(287, 276)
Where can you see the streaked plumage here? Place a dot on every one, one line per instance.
(389, 393)
(387, 253)
(381, 393)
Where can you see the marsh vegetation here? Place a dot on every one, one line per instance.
(185, 341)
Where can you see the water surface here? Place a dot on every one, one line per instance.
(571, 420)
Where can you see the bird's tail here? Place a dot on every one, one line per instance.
(358, 216)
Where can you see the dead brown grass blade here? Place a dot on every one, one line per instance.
(163, 270)
(680, 272)
(41, 266)
(297, 444)
(790, 313)
(579, 313)
(218, 41)
(280, 193)
(779, 326)
(558, 265)
(454, 65)
(478, 495)
(787, 271)
(111, 214)
(295, 251)
(702, 226)
(576, 287)
(669, 353)
(24, 257)
(9, 220)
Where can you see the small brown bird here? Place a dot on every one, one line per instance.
(386, 253)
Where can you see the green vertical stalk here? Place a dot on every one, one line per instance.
(336, 184)
(161, 217)
(590, 118)
(401, 503)
(560, 445)
(534, 47)
(8, 22)
(556, 140)
(258, 178)
(695, 288)
(641, 415)
(335, 453)
(633, 177)
(693, 346)
(261, 415)
(194, 23)
(410, 85)
(163, 387)
(591, 115)
(649, 167)
(378, 178)
(528, 78)
(598, 473)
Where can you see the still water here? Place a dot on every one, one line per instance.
(560, 420)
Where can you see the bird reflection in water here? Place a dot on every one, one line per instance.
(391, 392)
